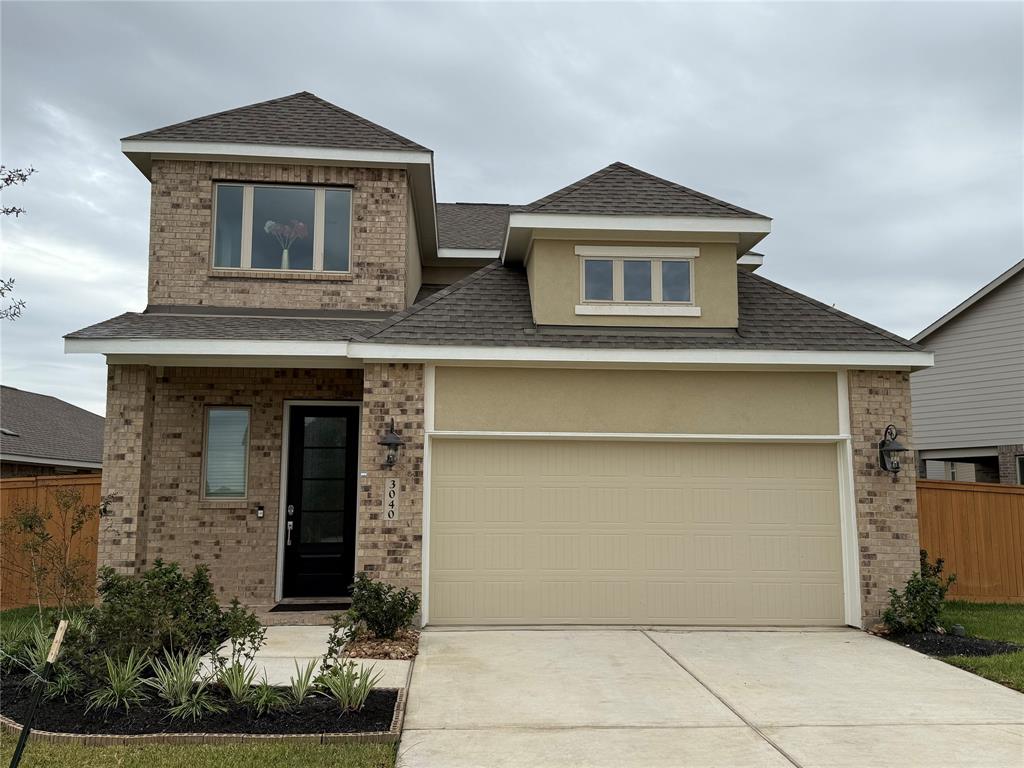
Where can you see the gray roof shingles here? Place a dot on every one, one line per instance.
(492, 307)
(472, 225)
(621, 189)
(302, 120)
(47, 428)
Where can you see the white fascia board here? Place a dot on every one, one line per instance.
(399, 157)
(754, 260)
(207, 347)
(468, 253)
(17, 458)
(866, 360)
(640, 223)
(956, 453)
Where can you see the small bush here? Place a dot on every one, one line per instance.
(237, 678)
(380, 608)
(302, 684)
(161, 610)
(917, 608)
(266, 698)
(124, 685)
(348, 687)
(246, 635)
(174, 677)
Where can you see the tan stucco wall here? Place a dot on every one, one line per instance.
(682, 402)
(553, 269)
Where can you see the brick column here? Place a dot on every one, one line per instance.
(886, 507)
(392, 550)
(127, 434)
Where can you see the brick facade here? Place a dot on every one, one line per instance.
(154, 443)
(886, 507)
(392, 550)
(1008, 463)
(180, 265)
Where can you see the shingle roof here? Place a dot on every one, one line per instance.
(302, 120)
(471, 225)
(44, 427)
(255, 327)
(491, 307)
(620, 189)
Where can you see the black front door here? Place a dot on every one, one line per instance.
(320, 502)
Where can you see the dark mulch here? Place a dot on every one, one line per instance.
(317, 715)
(935, 644)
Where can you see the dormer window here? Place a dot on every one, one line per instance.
(627, 280)
(282, 228)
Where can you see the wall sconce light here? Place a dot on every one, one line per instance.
(889, 450)
(391, 442)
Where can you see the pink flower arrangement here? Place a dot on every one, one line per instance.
(286, 234)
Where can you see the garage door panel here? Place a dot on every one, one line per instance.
(564, 542)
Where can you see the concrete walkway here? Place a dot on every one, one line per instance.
(594, 698)
(287, 645)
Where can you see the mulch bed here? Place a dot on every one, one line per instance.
(404, 646)
(934, 644)
(317, 714)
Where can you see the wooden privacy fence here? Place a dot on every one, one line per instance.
(978, 529)
(15, 589)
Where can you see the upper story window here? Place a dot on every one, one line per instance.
(636, 281)
(282, 227)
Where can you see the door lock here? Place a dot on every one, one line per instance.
(291, 510)
(288, 540)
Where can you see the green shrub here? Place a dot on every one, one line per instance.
(124, 685)
(380, 608)
(348, 687)
(917, 608)
(245, 634)
(237, 678)
(266, 698)
(174, 676)
(160, 610)
(302, 683)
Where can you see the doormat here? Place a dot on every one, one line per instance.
(301, 607)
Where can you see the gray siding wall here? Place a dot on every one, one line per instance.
(974, 396)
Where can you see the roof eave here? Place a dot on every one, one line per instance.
(750, 229)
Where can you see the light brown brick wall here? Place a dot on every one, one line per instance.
(180, 265)
(176, 524)
(886, 507)
(392, 550)
(1008, 463)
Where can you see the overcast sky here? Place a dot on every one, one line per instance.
(885, 140)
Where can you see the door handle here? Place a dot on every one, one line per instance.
(288, 540)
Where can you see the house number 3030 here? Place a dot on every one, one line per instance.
(390, 497)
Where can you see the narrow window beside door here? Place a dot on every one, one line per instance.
(226, 454)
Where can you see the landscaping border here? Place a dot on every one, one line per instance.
(390, 736)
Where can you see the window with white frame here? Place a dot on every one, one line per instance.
(226, 453)
(636, 276)
(306, 229)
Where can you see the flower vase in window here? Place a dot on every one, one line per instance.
(286, 234)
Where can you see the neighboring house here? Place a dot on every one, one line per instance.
(969, 408)
(605, 415)
(41, 435)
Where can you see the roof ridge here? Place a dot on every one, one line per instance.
(838, 312)
(218, 114)
(579, 184)
(432, 299)
(364, 120)
(688, 190)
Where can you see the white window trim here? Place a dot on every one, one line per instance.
(618, 306)
(319, 223)
(243, 499)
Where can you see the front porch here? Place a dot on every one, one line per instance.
(162, 507)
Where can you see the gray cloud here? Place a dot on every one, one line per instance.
(884, 139)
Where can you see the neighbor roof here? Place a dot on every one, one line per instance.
(472, 225)
(621, 189)
(301, 120)
(43, 427)
(492, 307)
(971, 300)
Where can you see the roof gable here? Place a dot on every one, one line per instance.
(971, 300)
(621, 189)
(301, 120)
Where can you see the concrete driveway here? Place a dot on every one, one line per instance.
(622, 698)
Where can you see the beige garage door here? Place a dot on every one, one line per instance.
(620, 532)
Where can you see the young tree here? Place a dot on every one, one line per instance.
(9, 177)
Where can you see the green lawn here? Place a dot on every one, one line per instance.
(995, 621)
(41, 755)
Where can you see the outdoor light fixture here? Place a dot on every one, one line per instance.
(391, 442)
(889, 450)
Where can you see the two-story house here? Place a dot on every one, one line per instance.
(588, 409)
